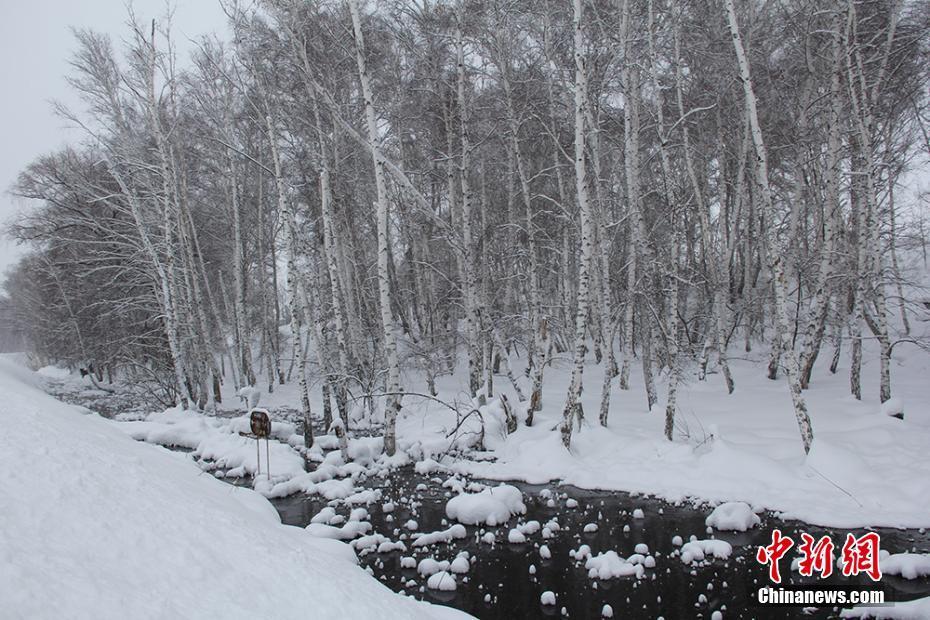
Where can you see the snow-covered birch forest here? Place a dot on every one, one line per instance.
(469, 308)
(358, 197)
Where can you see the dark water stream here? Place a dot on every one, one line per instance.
(670, 590)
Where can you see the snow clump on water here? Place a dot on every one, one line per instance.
(733, 516)
(493, 506)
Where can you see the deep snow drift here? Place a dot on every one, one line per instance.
(96, 525)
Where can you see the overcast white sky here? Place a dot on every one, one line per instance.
(35, 44)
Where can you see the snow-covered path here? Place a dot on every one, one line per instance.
(96, 525)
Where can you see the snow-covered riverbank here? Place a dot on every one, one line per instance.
(96, 525)
(865, 468)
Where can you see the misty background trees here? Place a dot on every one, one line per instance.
(353, 195)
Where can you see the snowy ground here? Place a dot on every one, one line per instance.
(728, 448)
(96, 525)
(865, 468)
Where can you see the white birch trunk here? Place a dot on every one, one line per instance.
(573, 401)
(469, 279)
(774, 254)
(393, 402)
(290, 237)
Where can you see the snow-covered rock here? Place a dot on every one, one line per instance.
(907, 565)
(441, 581)
(696, 550)
(460, 565)
(733, 516)
(347, 532)
(447, 535)
(609, 565)
(429, 566)
(516, 537)
(529, 528)
(493, 506)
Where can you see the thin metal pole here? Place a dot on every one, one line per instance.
(258, 457)
(267, 459)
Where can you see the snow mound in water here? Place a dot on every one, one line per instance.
(733, 516)
(516, 537)
(493, 506)
(609, 565)
(695, 550)
(907, 565)
(347, 532)
(447, 535)
(441, 581)
(428, 566)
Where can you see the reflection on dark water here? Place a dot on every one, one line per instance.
(670, 590)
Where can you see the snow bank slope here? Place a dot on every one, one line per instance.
(96, 525)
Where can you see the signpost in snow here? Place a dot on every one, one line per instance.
(260, 424)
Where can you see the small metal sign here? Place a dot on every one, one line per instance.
(260, 424)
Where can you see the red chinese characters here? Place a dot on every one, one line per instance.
(818, 556)
(770, 554)
(860, 555)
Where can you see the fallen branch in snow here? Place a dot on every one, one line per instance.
(402, 394)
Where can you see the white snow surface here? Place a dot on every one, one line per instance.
(918, 609)
(696, 550)
(441, 581)
(906, 565)
(493, 506)
(609, 565)
(217, 440)
(442, 536)
(863, 469)
(96, 525)
(733, 516)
